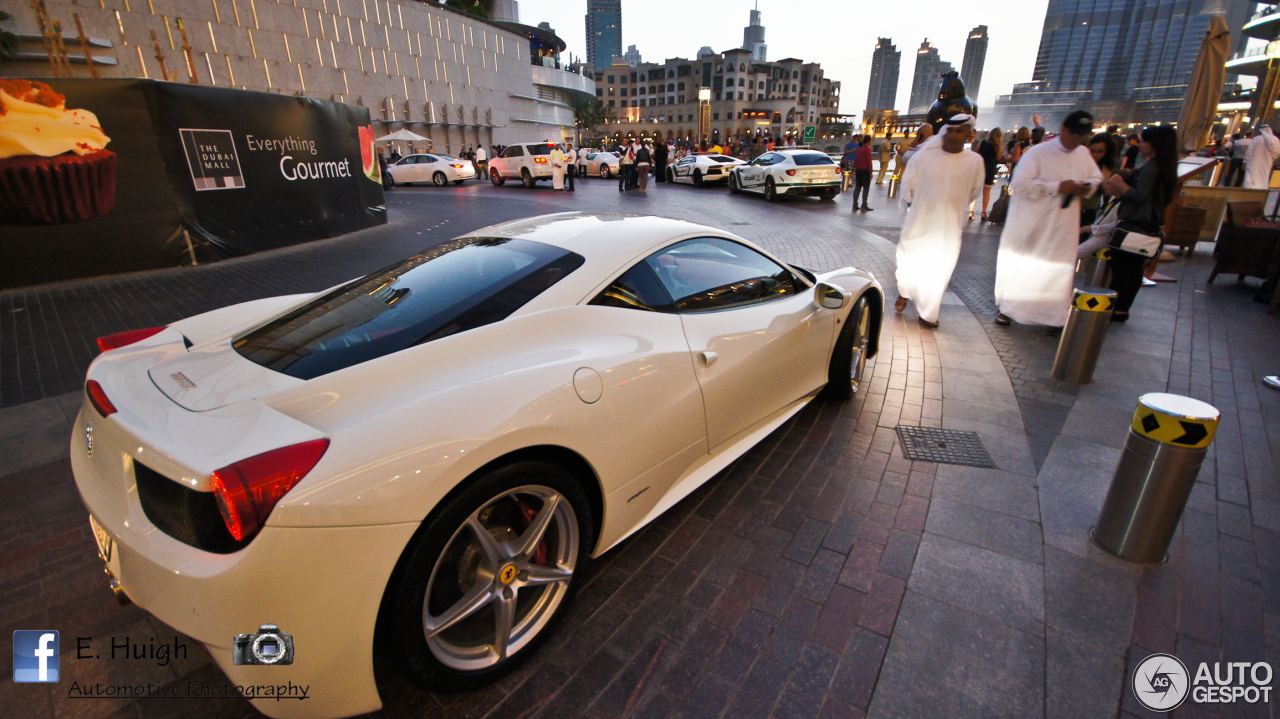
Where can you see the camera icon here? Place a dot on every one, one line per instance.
(266, 647)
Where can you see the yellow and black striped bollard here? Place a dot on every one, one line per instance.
(1086, 328)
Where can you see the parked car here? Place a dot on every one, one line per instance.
(439, 170)
(788, 172)
(437, 450)
(527, 162)
(700, 169)
(604, 164)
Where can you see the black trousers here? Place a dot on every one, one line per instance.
(659, 170)
(624, 176)
(1126, 277)
(1235, 173)
(862, 178)
(569, 172)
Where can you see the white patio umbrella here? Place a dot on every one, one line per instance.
(404, 136)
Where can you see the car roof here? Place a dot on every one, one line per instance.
(611, 236)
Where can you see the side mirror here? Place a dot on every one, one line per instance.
(829, 297)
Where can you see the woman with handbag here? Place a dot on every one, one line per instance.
(1142, 202)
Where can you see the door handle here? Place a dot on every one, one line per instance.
(709, 358)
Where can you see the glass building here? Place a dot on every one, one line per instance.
(930, 68)
(886, 63)
(975, 57)
(1123, 60)
(604, 32)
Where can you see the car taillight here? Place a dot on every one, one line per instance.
(459, 167)
(248, 490)
(540, 160)
(791, 173)
(122, 339)
(98, 398)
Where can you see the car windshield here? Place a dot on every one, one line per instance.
(460, 285)
(811, 158)
(539, 149)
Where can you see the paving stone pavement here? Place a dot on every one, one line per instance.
(822, 575)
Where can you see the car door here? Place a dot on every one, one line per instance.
(758, 340)
(684, 168)
(426, 167)
(754, 173)
(511, 158)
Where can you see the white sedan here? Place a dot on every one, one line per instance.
(438, 449)
(699, 170)
(439, 170)
(788, 173)
(602, 163)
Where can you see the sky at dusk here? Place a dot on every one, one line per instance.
(839, 34)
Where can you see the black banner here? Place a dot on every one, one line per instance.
(240, 171)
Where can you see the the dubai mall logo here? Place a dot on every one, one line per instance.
(211, 156)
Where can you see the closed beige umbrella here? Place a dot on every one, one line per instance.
(1204, 87)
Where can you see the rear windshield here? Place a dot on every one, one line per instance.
(460, 285)
(539, 149)
(811, 158)
(721, 158)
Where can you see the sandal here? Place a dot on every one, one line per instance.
(901, 304)
(985, 218)
(1002, 319)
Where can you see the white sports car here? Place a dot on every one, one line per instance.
(604, 164)
(788, 173)
(702, 169)
(439, 448)
(439, 170)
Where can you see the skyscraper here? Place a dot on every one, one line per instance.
(928, 78)
(632, 56)
(1123, 60)
(975, 56)
(753, 38)
(604, 32)
(886, 62)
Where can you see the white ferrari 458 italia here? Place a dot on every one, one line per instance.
(436, 450)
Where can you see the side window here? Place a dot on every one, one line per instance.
(426, 159)
(636, 289)
(710, 273)
(513, 151)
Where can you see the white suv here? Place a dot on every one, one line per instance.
(527, 162)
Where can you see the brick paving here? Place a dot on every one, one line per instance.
(822, 575)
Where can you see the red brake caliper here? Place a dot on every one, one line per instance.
(539, 554)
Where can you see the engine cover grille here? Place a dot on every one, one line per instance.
(188, 516)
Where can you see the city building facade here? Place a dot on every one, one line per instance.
(975, 57)
(632, 56)
(746, 97)
(1263, 63)
(1126, 61)
(604, 32)
(450, 76)
(930, 68)
(886, 63)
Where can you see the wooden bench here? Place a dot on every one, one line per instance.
(1247, 244)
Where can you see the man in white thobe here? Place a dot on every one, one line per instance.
(1261, 157)
(938, 185)
(1037, 257)
(557, 167)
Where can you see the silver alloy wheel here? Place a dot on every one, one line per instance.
(604, 171)
(861, 344)
(500, 578)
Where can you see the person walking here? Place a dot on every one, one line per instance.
(1235, 169)
(1141, 209)
(644, 160)
(939, 185)
(571, 165)
(660, 161)
(862, 174)
(1037, 257)
(626, 161)
(989, 151)
(482, 162)
(1264, 148)
(886, 151)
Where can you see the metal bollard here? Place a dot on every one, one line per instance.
(1097, 269)
(1167, 442)
(1082, 337)
(893, 186)
(844, 181)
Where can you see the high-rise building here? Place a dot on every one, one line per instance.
(975, 56)
(928, 78)
(604, 32)
(1126, 61)
(632, 56)
(753, 38)
(886, 62)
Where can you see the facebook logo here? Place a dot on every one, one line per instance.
(35, 656)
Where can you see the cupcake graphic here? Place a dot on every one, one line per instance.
(54, 167)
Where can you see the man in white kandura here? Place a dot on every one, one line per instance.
(1261, 157)
(1037, 258)
(558, 162)
(940, 182)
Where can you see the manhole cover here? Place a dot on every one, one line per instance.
(943, 446)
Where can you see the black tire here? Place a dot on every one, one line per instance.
(435, 554)
(526, 179)
(848, 367)
(496, 178)
(770, 191)
(458, 182)
(828, 195)
(671, 175)
(733, 183)
(604, 171)
(439, 179)
(697, 178)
